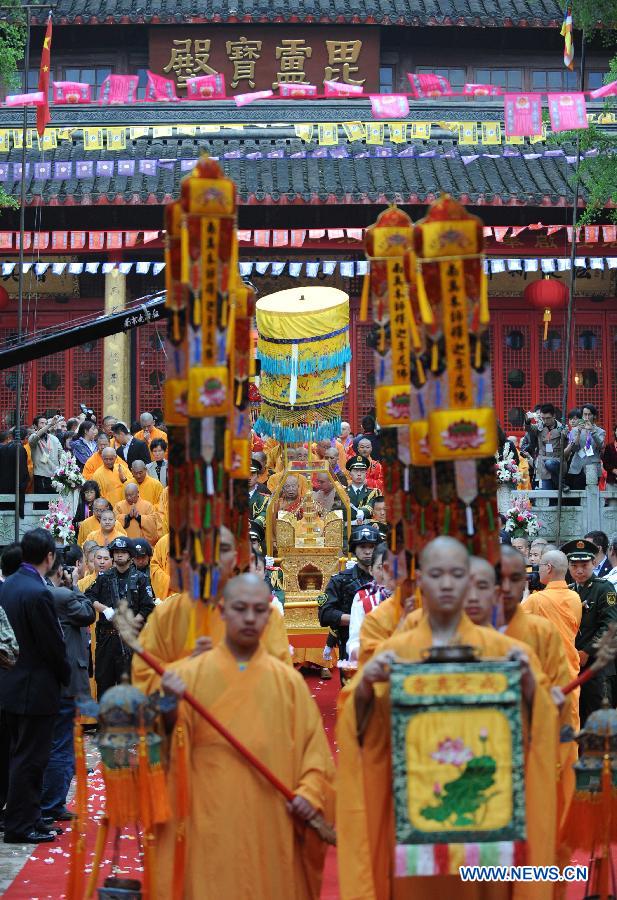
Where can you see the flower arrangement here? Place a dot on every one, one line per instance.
(535, 419)
(521, 521)
(59, 521)
(67, 476)
(506, 467)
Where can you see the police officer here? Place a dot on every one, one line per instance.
(142, 554)
(335, 604)
(361, 497)
(599, 610)
(122, 581)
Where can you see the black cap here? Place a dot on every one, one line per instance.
(365, 534)
(256, 466)
(357, 462)
(580, 550)
(121, 543)
(141, 547)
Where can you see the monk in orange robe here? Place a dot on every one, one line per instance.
(163, 509)
(149, 431)
(150, 488)
(112, 476)
(95, 461)
(268, 707)
(159, 568)
(108, 529)
(93, 522)
(366, 838)
(180, 626)
(138, 517)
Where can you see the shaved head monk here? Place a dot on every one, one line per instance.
(150, 489)
(267, 706)
(112, 476)
(166, 633)
(364, 787)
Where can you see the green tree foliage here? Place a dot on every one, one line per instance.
(12, 44)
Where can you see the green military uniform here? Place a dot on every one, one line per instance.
(361, 498)
(599, 601)
(258, 500)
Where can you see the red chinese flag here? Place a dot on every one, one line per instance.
(42, 113)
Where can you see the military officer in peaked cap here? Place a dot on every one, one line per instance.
(599, 610)
(335, 603)
(361, 497)
(122, 582)
(258, 494)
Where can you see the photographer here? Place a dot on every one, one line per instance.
(75, 612)
(45, 449)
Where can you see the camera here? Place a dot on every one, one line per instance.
(533, 578)
(88, 413)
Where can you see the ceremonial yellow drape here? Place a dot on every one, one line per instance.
(159, 568)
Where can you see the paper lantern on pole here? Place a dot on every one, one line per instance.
(547, 294)
(4, 297)
(303, 348)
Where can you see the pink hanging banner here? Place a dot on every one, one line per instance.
(297, 91)
(60, 240)
(609, 233)
(35, 99)
(428, 85)
(72, 92)
(261, 238)
(159, 88)
(245, 99)
(150, 236)
(280, 238)
(389, 106)
(522, 115)
(553, 228)
(297, 238)
(206, 87)
(336, 89)
(96, 240)
(244, 237)
(500, 232)
(78, 240)
(41, 240)
(118, 89)
(607, 90)
(130, 238)
(592, 234)
(6, 240)
(482, 90)
(567, 111)
(114, 240)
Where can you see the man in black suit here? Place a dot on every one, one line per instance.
(10, 445)
(30, 691)
(601, 564)
(75, 612)
(129, 448)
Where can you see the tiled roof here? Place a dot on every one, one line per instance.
(359, 178)
(478, 13)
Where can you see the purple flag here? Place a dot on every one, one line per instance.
(167, 163)
(84, 168)
(147, 166)
(126, 167)
(187, 164)
(4, 171)
(254, 155)
(407, 152)
(104, 168)
(17, 170)
(42, 170)
(63, 170)
(231, 154)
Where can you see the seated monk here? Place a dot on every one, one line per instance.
(274, 480)
(364, 794)
(168, 633)
(138, 517)
(108, 529)
(92, 523)
(290, 498)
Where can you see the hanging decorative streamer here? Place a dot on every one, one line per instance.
(449, 243)
(206, 397)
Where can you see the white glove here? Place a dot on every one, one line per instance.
(109, 613)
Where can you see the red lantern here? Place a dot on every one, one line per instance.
(4, 297)
(547, 294)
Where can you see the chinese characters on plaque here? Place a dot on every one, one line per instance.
(257, 58)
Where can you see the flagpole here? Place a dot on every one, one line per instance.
(20, 288)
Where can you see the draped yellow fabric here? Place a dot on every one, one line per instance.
(240, 840)
(110, 484)
(159, 568)
(364, 786)
(164, 635)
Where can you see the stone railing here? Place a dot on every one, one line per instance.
(581, 511)
(35, 507)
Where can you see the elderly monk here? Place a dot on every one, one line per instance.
(268, 707)
(150, 489)
(95, 461)
(364, 792)
(290, 498)
(138, 517)
(182, 627)
(92, 523)
(159, 568)
(149, 431)
(89, 549)
(112, 476)
(109, 529)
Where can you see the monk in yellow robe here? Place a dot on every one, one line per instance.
(95, 461)
(163, 509)
(182, 627)
(364, 791)
(112, 476)
(383, 621)
(149, 431)
(138, 517)
(108, 529)
(159, 568)
(93, 522)
(150, 488)
(267, 706)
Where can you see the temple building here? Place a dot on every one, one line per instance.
(311, 176)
